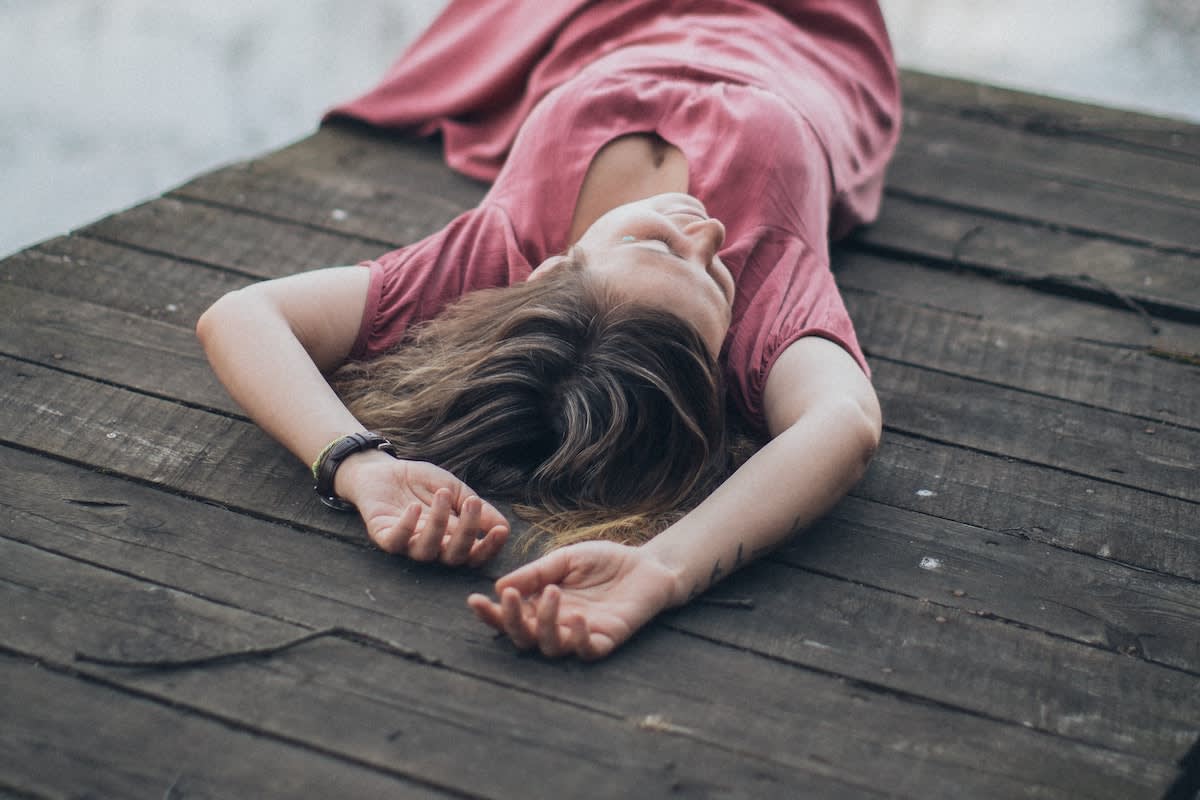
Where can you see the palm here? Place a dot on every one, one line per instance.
(387, 494)
(585, 599)
(422, 510)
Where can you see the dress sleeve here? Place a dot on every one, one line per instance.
(477, 250)
(798, 298)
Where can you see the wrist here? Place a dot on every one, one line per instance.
(348, 478)
(673, 577)
(327, 467)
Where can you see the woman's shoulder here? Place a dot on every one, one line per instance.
(478, 249)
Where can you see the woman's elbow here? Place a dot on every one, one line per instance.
(865, 425)
(227, 317)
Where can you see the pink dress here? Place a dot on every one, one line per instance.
(787, 113)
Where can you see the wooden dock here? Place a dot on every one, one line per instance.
(1007, 606)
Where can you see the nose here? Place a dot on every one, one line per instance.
(706, 236)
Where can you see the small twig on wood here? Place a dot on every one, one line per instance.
(961, 244)
(728, 602)
(1125, 299)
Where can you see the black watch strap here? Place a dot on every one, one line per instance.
(327, 466)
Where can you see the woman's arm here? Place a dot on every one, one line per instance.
(586, 599)
(270, 343)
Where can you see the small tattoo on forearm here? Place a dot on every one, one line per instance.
(694, 592)
(737, 561)
(717, 572)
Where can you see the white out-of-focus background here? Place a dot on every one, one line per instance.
(104, 103)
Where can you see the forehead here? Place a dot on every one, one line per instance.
(652, 277)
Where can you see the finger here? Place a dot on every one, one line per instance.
(490, 517)
(549, 642)
(427, 542)
(486, 548)
(393, 538)
(486, 610)
(576, 636)
(532, 577)
(514, 623)
(458, 542)
(598, 646)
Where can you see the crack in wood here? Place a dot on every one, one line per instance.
(1187, 784)
(257, 653)
(98, 504)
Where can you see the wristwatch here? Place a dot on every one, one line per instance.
(332, 456)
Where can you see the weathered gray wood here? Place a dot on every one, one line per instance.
(200, 453)
(67, 737)
(156, 287)
(240, 480)
(1009, 576)
(1147, 530)
(446, 721)
(1051, 200)
(342, 180)
(1123, 380)
(105, 344)
(1004, 302)
(1035, 254)
(952, 135)
(721, 696)
(1111, 447)
(1052, 116)
(231, 240)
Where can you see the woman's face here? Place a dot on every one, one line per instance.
(662, 251)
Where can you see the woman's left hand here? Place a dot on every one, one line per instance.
(582, 600)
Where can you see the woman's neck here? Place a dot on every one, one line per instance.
(628, 168)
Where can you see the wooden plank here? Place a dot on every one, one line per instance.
(952, 565)
(236, 241)
(150, 356)
(1116, 379)
(768, 708)
(1047, 683)
(64, 736)
(1052, 116)
(58, 606)
(1114, 447)
(964, 138)
(1033, 253)
(150, 286)
(246, 481)
(231, 459)
(347, 180)
(1073, 204)
(969, 294)
(1077, 513)
(62, 606)
(1089, 601)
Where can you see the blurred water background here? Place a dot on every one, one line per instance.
(104, 103)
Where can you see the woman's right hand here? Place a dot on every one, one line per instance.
(420, 510)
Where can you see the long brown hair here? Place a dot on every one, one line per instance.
(596, 417)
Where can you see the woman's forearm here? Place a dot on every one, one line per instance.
(253, 339)
(790, 483)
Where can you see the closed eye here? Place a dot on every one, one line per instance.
(664, 240)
